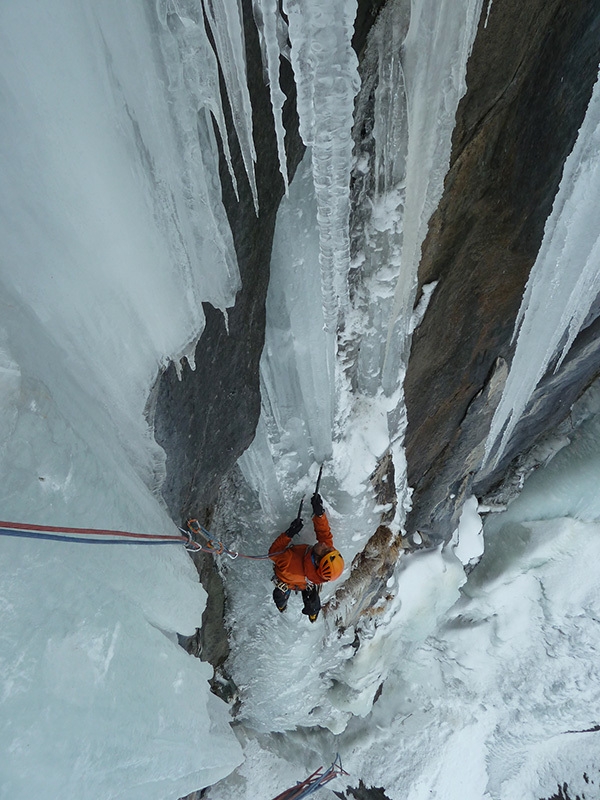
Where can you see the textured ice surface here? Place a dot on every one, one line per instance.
(325, 68)
(270, 24)
(486, 685)
(225, 21)
(112, 234)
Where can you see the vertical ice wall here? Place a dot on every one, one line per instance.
(434, 59)
(418, 53)
(564, 281)
(297, 363)
(377, 218)
(325, 68)
(110, 176)
(113, 234)
(310, 261)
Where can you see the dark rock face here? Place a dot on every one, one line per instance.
(207, 419)
(366, 14)
(529, 78)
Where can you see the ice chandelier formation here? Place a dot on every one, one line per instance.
(326, 72)
(317, 42)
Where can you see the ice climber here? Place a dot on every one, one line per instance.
(304, 567)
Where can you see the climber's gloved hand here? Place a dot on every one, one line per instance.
(317, 505)
(294, 528)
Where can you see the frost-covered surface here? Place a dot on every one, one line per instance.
(109, 208)
(489, 683)
(564, 281)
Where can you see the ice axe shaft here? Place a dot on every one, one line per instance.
(316, 492)
(319, 480)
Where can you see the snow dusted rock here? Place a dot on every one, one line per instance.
(371, 569)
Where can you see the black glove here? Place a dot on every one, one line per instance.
(294, 528)
(317, 505)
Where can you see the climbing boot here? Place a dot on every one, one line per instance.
(281, 597)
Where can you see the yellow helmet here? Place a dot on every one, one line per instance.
(331, 565)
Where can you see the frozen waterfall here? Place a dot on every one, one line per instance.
(325, 68)
(480, 685)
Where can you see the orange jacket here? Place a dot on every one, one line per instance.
(295, 566)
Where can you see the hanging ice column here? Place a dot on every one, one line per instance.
(434, 59)
(564, 281)
(273, 38)
(224, 17)
(326, 71)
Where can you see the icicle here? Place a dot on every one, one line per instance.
(224, 17)
(268, 21)
(325, 68)
(197, 62)
(564, 281)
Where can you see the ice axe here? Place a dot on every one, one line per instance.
(316, 500)
(300, 507)
(319, 480)
(299, 515)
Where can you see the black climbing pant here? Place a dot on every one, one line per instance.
(312, 601)
(281, 598)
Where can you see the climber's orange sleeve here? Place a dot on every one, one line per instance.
(281, 559)
(322, 530)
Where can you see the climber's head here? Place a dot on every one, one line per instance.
(331, 565)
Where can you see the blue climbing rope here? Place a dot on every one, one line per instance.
(86, 535)
(101, 536)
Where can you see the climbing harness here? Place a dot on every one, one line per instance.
(314, 782)
(281, 585)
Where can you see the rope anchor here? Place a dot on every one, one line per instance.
(212, 545)
(215, 546)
